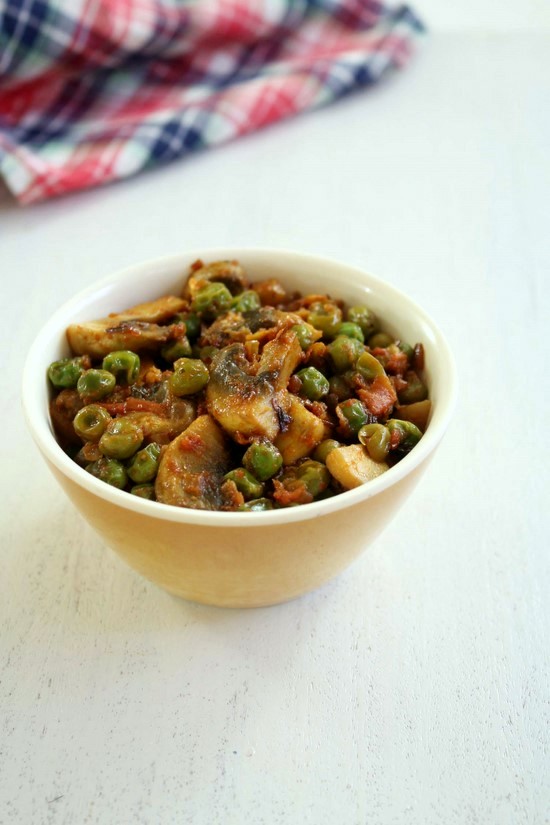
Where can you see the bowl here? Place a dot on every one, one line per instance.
(246, 559)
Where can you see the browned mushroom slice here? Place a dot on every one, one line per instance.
(227, 329)
(260, 325)
(192, 468)
(266, 322)
(304, 433)
(135, 329)
(251, 403)
(229, 273)
(163, 428)
(271, 292)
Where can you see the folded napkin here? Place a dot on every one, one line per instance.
(96, 90)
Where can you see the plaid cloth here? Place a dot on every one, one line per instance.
(96, 90)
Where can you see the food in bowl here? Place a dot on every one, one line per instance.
(246, 558)
(238, 395)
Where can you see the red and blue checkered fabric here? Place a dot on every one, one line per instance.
(96, 90)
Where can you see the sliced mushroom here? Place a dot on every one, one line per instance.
(351, 466)
(227, 329)
(163, 428)
(304, 433)
(271, 292)
(253, 404)
(268, 317)
(192, 467)
(135, 329)
(229, 273)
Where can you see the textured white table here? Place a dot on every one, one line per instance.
(415, 688)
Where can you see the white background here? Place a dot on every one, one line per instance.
(415, 688)
(492, 15)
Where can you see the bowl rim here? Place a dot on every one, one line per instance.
(40, 427)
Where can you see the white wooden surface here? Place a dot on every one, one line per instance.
(415, 688)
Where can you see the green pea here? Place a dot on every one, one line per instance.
(176, 349)
(368, 366)
(212, 300)
(144, 491)
(364, 317)
(90, 422)
(205, 354)
(306, 334)
(110, 471)
(324, 448)
(192, 323)
(246, 301)
(315, 476)
(344, 352)
(64, 374)
(257, 504)
(144, 465)
(376, 438)
(380, 340)
(351, 330)
(95, 384)
(190, 376)
(124, 364)
(416, 389)
(407, 349)
(326, 317)
(245, 483)
(121, 439)
(314, 383)
(263, 460)
(409, 434)
(311, 475)
(354, 413)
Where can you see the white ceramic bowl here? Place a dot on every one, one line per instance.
(253, 558)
